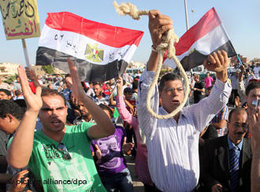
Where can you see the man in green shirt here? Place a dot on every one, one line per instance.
(58, 155)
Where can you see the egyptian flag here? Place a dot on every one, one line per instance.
(100, 51)
(205, 37)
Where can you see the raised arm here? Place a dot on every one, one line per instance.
(218, 98)
(104, 127)
(23, 140)
(254, 125)
(121, 107)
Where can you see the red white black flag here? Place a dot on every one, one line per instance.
(100, 51)
(205, 37)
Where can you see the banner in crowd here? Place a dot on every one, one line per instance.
(20, 19)
(100, 51)
(205, 37)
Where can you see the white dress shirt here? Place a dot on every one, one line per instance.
(173, 157)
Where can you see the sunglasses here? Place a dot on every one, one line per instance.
(65, 153)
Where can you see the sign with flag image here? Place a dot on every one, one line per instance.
(205, 37)
(100, 51)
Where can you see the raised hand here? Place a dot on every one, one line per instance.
(218, 62)
(33, 101)
(254, 126)
(77, 89)
(127, 147)
(158, 25)
(119, 86)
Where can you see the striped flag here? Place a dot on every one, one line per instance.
(100, 51)
(205, 37)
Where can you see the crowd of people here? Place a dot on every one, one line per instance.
(61, 134)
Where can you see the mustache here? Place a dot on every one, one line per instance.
(240, 132)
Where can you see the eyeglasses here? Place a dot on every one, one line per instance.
(65, 153)
(179, 89)
(243, 125)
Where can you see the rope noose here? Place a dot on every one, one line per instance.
(167, 44)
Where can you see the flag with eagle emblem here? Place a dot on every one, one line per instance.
(100, 51)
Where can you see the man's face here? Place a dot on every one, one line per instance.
(98, 90)
(53, 113)
(83, 110)
(172, 95)
(237, 127)
(8, 124)
(68, 81)
(196, 78)
(4, 124)
(254, 94)
(128, 96)
(4, 96)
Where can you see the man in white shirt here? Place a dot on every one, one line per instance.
(173, 143)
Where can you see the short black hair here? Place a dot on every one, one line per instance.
(128, 90)
(252, 85)
(235, 110)
(135, 84)
(47, 91)
(105, 107)
(67, 75)
(7, 92)
(12, 108)
(168, 77)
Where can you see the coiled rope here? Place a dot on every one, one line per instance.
(167, 44)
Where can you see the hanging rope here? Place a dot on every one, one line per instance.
(167, 44)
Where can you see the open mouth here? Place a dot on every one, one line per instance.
(56, 122)
(176, 102)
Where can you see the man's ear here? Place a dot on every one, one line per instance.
(10, 117)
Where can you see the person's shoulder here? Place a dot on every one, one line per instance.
(219, 141)
(119, 128)
(247, 141)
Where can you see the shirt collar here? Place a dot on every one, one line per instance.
(164, 112)
(232, 145)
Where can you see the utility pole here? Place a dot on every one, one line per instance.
(186, 15)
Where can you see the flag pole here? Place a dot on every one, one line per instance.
(26, 54)
(186, 15)
(239, 60)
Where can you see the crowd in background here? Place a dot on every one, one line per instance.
(111, 96)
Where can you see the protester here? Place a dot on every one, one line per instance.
(252, 96)
(110, 162)
(173, 143)
(99, 96)
(10, 117)
(208, 81)
(59, 156)
(226, 160)
(198, 89)
(4, 85)
(234, 81)
(141, 165)
(83, 116)
(5, 94)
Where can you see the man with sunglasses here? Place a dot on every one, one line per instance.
(58, 155)
(227, 160)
